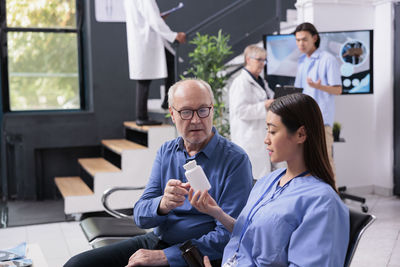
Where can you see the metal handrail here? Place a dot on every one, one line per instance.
(108, 192)
(217, 16)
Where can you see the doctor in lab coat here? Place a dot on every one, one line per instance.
(249, 98)
(147, 35)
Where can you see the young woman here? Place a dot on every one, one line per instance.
(294, 216)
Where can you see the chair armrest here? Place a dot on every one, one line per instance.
(108, 192)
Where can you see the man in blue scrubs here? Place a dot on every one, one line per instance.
(164, 205)
(319, 76)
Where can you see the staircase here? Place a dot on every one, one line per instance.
(289, 25)
(125, 162)
(128, 162)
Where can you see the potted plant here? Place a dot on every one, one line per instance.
(336, 131)
(208, 63)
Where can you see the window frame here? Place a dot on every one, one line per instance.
(4, 30)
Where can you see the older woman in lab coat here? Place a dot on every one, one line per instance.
(249, 98)
(147, 34)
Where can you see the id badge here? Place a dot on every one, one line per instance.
(232, 262)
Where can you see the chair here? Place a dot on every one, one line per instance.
(101, 231)
(359, 222)
(343, 195)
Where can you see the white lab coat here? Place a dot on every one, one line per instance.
(146, 33)
(247, 116)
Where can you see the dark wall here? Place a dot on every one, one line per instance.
(110, 96)
(42, 145)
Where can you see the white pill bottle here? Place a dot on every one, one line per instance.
(196, 176)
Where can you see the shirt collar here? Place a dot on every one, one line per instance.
(252, 76)
(207, 150)
(313, 56)
(258, 80)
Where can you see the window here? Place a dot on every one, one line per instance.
(40, 62)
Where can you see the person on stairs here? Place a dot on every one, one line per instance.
(147, 36)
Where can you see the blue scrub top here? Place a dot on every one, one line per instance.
(306, 224)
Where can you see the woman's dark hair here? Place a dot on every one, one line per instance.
(298, 110)
(308, 27)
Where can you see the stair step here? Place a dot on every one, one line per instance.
(119, 145)
(72, 186)
(132, 125)
(95, 165)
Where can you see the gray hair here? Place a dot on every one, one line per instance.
(253, 50)
(201, 83)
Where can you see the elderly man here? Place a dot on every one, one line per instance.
(164, 205)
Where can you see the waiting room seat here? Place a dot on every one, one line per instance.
(343, 195)
(359, 222)
(101, 231)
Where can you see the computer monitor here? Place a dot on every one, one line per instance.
(352, 50)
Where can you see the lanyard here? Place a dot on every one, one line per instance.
(251, 213)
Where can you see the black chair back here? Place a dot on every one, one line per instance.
(358, 223)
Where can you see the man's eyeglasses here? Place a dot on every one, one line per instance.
(261, 60)
(187, 114)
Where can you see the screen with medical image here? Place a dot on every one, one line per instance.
(352, 50)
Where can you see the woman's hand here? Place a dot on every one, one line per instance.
(204, 203)
(206, 262)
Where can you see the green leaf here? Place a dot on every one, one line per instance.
(206, 62)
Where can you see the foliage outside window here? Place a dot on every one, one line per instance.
(42, 67)
(208, 63)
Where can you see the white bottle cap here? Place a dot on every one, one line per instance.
(190, 165)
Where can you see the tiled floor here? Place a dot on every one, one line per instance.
(58, 241)
(379, 246)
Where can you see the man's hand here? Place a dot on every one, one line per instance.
(181, 37)
(332, 89)
(316, 85)
(174, 196)
(146, 257)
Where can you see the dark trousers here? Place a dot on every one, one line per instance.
(142, 94)
(170, 80)
(116, 254)
(143, 88)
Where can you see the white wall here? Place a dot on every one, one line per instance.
(365, 160)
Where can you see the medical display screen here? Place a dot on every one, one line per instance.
(352, 50)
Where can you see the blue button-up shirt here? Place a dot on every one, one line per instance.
(320, 66)
(228, 169)
(303, 223)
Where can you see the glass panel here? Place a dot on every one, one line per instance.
(41, 13)
(43, 71)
